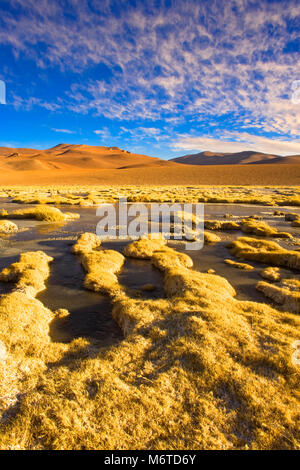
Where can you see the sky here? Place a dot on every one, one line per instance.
(159, 77)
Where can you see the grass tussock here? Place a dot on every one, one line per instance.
(24, 334)
(29, 273)
(264, 251)
(89, 195)
(6, 226)
(244, 266)
(168, 258)
(271, 273)
(262, 229)
(197, 369)
(286, 293)
(101, 266)
(210, 238)
(42, 213)
(221, 225)
(144, 248)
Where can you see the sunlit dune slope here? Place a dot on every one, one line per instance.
(83, 164)
(64, 156)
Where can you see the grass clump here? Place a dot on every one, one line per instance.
(24, 333)
(29, 273)
(101, 266)
(42, 213)
(221, 225)
(210, 238)
(286, 293)
(244, 266)
(197, 369)
(6, 226)
(168, 258)
(264, 251)
(262, 229)
(271, 273)
(144, 248)
(86, 243)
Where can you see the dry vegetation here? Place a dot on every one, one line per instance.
(264, 251)
(285, 293)
(197, 369)
(7, 227)
(90, 195)
(244, 266)
(41, 213)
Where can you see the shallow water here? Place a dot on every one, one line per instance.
(90, 313)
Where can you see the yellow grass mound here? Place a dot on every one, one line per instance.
(29, 273)
(244, 266)
(168, 258)
(286, 293)
(41, 213)
(264, 251)
(210, 238)
(196, 370)
(262, 229)
(6, 226)
(271, 273)
(144, 248)
(101, 266)
(221, 225)
(86, 243)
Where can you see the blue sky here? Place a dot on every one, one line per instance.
(164, 78)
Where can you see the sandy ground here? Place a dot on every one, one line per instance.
(160, 175)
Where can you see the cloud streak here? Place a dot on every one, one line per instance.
(183, 63)
(242, 142)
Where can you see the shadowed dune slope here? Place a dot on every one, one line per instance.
(84, 164)
(239, 158)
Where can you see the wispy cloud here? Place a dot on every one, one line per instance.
(241, 142)
(63, 131)
(180, 62)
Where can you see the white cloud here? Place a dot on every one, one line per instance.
(63, 131)
(242, 142)
(191, 61)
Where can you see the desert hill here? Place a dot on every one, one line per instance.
(65, 156)
(238, 158)
(85, 164)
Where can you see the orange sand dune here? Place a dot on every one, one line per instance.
(83, 164)
(158, 175)
(64, 156)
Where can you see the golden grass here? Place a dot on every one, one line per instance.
(286, 293)
(262, 229)
(6, 226)
(24, 332)
(221, 225)
(271, 273)
(244, 266)
(167, 258)
(264, 251)
(101, 266)
(91, 194)
(29, 273)
(210, 238)
(196, 370)
(41, 213)
(144, 248)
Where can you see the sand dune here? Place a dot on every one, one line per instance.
(240, 158)
(64, 156)
(83, 164)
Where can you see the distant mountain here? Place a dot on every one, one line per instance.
(74, 157)
(238, 158)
